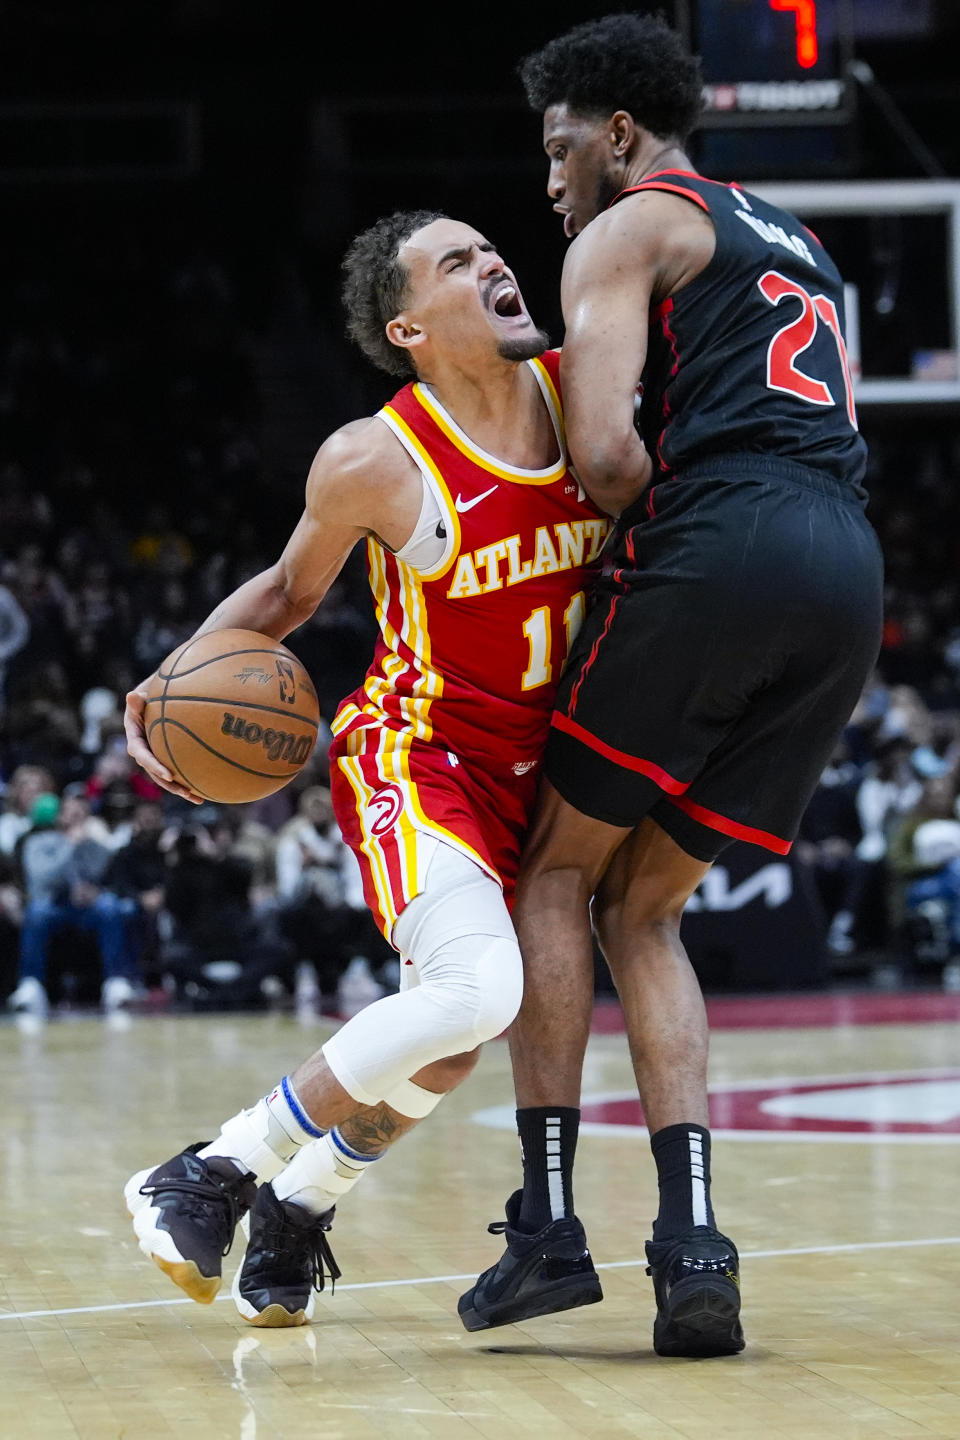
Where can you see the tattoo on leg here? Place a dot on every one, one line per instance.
(372, 1129)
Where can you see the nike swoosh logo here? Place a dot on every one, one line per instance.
(464, 505)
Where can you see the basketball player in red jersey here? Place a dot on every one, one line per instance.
(480, 546)
(736, 622)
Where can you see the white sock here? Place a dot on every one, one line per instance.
(320, 1174)
(265, 1139)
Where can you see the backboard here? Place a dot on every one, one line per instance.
(897, 244)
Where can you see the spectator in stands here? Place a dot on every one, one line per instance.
(238, 833)
(102, 718)
(115, 810)
(63, 868)
(26, 783)
(113, 767)
(923, 856)
(889, 787)
(827, 842)
(218, 949)
(322, 911)
(44, 600)
(310, 887)
(138, 873)
(941, 754)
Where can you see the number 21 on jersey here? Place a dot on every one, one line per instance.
(794, 337)
(539, 632)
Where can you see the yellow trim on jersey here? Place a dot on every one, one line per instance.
(414, 636)
(370, 845)
(444, 494)
(346, 717)
(487, 462)
(547, 380)
(376, 686)
(416, 632)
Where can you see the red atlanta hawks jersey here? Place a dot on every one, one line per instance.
(470, 652)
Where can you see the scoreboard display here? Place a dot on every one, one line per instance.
(772, 62)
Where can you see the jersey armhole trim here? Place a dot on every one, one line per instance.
(551, 396)
(432, 478)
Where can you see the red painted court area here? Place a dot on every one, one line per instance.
(797, 1012)
(883, 1104)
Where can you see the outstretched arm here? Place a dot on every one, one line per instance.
(361, 482)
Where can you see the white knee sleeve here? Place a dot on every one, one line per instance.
(459, 935)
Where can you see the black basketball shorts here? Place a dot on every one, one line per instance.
(735, 626)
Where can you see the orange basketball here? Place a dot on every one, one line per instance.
(233, 714)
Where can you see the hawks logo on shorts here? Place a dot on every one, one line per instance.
(383, 809)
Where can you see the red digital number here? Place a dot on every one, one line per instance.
(805, 13)
(794, 337)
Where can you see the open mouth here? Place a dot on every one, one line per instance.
(566, 215)
(506, 302)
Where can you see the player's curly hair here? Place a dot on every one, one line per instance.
(620, 62)
(375, 285)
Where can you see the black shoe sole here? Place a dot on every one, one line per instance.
(565, 1294)
(700, 1319)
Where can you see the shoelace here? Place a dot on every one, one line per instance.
(279, 1236)
(205, 1194)
(323, 1255)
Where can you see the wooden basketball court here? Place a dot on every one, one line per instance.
(836, 1169)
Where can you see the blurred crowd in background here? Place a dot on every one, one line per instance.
(135, 491)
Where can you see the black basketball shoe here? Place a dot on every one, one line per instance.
(287, 1256)
(185, 1213)
(538, 1274)
(696, 1279)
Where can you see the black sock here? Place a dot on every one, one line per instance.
(682, 1153)
(548, 1141)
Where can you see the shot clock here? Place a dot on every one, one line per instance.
(772, 62)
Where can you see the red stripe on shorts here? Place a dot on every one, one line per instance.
(575, 693)
(620, 757)
(733, 828)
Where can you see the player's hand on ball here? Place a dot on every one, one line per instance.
(139, 750)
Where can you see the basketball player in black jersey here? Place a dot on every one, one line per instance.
(737, 620)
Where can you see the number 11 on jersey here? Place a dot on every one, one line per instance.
(539, 632)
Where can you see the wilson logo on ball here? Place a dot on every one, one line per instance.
(279, 744)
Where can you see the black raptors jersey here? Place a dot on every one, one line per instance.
(750, 356)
